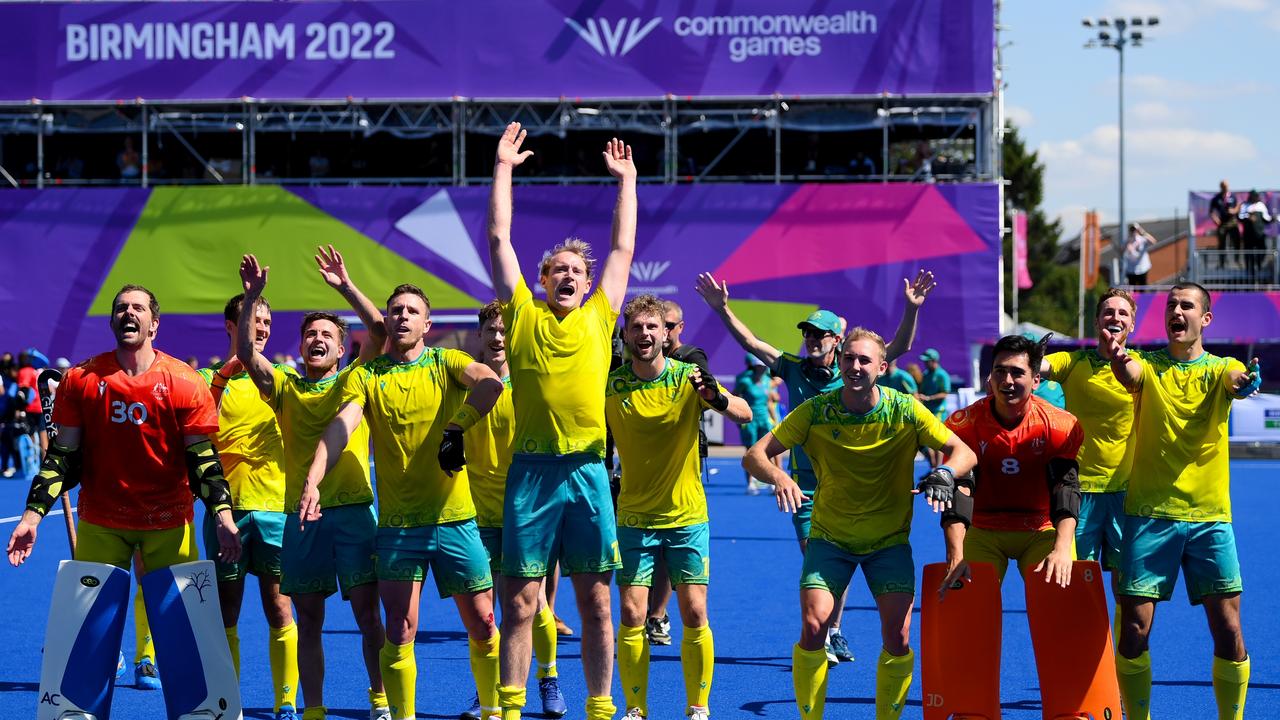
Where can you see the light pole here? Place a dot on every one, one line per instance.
(1125, 34)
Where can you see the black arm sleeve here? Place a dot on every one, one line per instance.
(204, 472)
(1064, 489)
(961, 509)
(59, 473)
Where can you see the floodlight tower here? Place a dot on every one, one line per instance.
(1124, 35)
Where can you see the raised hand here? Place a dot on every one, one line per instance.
(617, 158)
(509, 146)
(253, 275)
(919, 290)
(709, 390)
(332, 268)
(716, 294)
(1250, 381)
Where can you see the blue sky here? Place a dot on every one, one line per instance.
(1201, 102)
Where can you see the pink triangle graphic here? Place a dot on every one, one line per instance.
(826, 228)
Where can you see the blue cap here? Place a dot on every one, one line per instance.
(823, 320)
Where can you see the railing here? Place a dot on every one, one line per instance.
(1236, 269)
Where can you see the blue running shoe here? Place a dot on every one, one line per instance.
(552, 701)
(120, 667)
(287, 712)
(146, 676)
(840, 646)
(473, 712)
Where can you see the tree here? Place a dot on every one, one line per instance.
(1052, 299)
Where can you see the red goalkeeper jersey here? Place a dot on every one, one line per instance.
(132, 428)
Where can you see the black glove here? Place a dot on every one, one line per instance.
(721, 401)
(939, 485)
(451, 455)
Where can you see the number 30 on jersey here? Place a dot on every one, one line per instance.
(122, 412)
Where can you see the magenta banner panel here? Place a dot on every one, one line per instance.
(411, 49)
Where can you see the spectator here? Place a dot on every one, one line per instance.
(9, 404)
(30, 412)
(898, 379)
(752, 385)
(194, 362)
(935, 385)
(862, 165)
(1223, 209)
(128, 161)
(1137, 259)
(1254, 217)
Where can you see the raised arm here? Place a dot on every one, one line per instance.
(617, 267)
(916, 293)
(503, 265)
(332, 443)
(716, 295)
(334, 272)
(254, 278)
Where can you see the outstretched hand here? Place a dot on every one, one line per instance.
(919, 290)
(617, 158)
(716, 294)
(253, 275)
(509, 152)
(332, 267)
(1250, 381)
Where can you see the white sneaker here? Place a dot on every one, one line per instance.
(832, 660)
(633, 714)
(699, 713)
(380, 714)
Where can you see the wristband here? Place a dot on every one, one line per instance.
(465, 417)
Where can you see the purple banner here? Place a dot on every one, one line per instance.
(1238, 317)
(408, 49)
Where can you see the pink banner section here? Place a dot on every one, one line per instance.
(1020, 250)
(1244, 317)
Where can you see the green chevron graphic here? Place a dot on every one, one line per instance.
(774, 322)
(187, 244)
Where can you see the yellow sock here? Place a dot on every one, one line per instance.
(399, 677)
(544, 642)
(282, 649)
(1230, 683)
(314, 713)
(697, 661)
(893, 677)
(511, 699)
(633, 667)
(1135, 685)
(601, 707)
(141, 629)
(233, 644)
(809, 676)
(377, 699)
(1115, 629)
(484, 668)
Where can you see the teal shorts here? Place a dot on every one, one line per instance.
(261, 537)
(686, 551)
(335, 552)
(1098, 530)
(558, 508)
(752, 432)
(1154, 549)
(829, 567)
(453, 550)
(802, 519)
(491, 538)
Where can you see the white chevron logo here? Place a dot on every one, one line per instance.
(612, 40)
(435, 225)
(649, 271)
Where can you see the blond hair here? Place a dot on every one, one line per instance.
(1120, 293)
(861, 333)
(574, 245)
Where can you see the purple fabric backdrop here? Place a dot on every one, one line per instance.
(390, 49)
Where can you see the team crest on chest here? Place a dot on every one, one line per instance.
(160, 391)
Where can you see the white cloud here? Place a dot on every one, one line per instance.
(1150, 112)
(1019, 116)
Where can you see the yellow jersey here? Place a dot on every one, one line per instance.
(407, 406)
(1105, 411)
(249, 443)
(655, 426)
(865, 465)
(1182, 439)
(304, 409)
(488, 447)
(558, 371)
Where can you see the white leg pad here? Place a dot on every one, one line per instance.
(82, 641)
(186, 622)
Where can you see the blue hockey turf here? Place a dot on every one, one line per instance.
(754, 614)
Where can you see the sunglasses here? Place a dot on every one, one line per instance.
(816, 334)
(672, 325)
